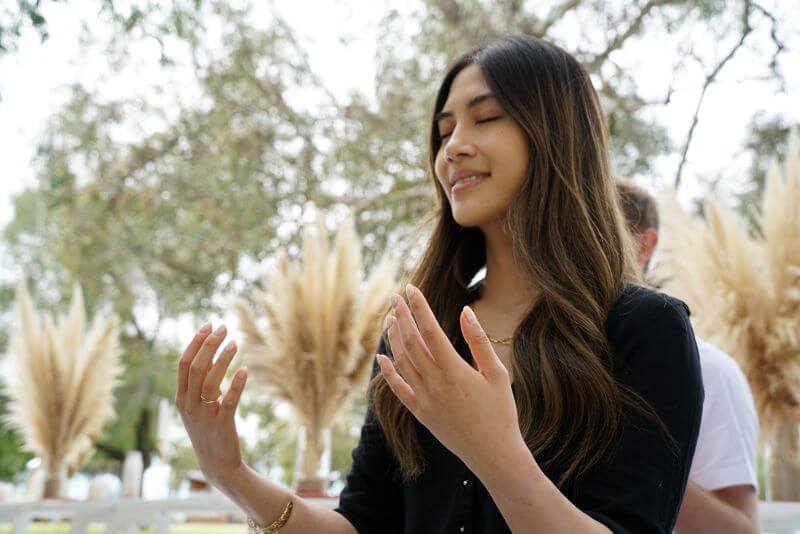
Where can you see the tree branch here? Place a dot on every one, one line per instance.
(633, 28)
(710, 78)
(450, 9)
(779, 44)
(555, 15)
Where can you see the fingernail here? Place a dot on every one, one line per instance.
(205, 328)
(240, 373)
(393, 299)
(471, 315)
(220, 330)
(409, 290)
(231, 345)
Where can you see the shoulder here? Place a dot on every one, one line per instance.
(719, 366)
(637, 305)
(642, 317)
(727, 389)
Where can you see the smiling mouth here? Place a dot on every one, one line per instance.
(464, 182)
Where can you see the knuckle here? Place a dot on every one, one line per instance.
(227, 404)
(402, 369)
(503, 371)
(407, 339)
(482, 338)
(424, 329)
(195, 369)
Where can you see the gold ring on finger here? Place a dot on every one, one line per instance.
(206, 401)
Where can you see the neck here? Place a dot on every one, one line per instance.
(506, 285)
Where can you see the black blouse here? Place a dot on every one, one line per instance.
(637, 488)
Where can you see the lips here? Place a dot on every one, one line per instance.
(466, 173)
(469, 182)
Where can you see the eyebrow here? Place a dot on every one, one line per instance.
(474, 101)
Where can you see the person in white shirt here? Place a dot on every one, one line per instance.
(721, 495)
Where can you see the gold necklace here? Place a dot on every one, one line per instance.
(504, 341)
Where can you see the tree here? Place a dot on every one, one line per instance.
(152, 19)
(12, 456)
(766, 143)
(165, 222)
(162, 226)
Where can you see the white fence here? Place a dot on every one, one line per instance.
(129, 514)
(124, 514)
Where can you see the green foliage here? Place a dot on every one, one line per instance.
(12, 456)
(182, 461)
(345, 435)
(275, 444)
(154, 19)
(766, 143)
(164, 223)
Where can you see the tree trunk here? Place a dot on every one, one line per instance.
(144, 443)
(785, 472)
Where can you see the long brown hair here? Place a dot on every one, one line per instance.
(568, 234)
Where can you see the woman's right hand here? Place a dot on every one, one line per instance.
(211, 425)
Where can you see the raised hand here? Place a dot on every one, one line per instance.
(207, 414)
(470, 411)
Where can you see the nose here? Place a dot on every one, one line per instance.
(457, 147)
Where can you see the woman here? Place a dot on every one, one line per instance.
(580, 416)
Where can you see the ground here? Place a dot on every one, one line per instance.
(180, 528)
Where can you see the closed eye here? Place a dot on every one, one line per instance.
(490, 119)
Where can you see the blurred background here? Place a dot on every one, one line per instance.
(160, 153)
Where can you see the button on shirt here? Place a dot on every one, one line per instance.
(638, 486)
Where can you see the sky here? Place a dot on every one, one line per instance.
(33, 83)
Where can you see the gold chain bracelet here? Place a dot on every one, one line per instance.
(274, 527)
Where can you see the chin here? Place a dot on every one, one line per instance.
(476, 217)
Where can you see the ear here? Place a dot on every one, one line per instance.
(648, 241)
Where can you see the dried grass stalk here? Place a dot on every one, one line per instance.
(744, 288)
(322, 327)
(62, 395)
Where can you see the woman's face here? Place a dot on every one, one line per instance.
(478, 138)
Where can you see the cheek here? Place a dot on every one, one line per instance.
(517, 153)
(440, 168)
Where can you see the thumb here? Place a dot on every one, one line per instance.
(482, 351)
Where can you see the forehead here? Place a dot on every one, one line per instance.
(468, 83)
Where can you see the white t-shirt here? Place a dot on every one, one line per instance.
(726, 446)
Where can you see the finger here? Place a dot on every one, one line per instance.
(430, 331)
(414, 345)
(399, 387)
(199, 367)
(186, 361)
(231, 399)
(211, 385)
(480, 346)
(408, 370)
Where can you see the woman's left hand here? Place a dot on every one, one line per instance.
(471, 412)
